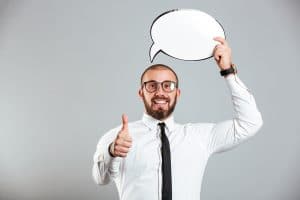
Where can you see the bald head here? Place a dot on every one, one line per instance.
(158, 67)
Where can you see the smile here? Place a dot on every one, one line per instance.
(160, 101)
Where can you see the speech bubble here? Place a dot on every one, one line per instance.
(185, 34)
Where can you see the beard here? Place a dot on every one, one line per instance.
(160, 113)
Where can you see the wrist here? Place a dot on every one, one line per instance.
(228, 71)
(225, 67)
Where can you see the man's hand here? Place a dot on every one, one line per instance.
(222, 53)
(122, 143)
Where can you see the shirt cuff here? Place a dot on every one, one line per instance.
(104, 156)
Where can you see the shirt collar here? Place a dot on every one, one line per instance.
(152, 123)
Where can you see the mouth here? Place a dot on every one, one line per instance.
(160, 101)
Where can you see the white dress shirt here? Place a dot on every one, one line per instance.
(138, 176)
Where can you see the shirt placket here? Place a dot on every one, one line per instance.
(159, 172)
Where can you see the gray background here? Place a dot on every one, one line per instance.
(69, 69)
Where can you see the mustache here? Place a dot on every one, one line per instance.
(161, 98)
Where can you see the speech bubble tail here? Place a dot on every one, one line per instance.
(154, 50)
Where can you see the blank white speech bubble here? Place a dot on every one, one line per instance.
(185, 34)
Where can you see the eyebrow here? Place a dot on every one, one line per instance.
(158, 81)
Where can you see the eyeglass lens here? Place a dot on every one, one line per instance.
(167, 86)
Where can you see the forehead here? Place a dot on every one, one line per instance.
(159, 75)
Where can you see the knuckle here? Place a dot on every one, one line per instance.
(122, 154)
(122, 148)
(123, 143)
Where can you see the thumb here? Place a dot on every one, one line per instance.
(124, 122)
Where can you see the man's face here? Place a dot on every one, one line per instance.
(159, 104)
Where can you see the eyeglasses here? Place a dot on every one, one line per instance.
(167, 86)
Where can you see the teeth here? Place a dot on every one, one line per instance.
(160, 101)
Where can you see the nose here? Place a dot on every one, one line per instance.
(159, 89)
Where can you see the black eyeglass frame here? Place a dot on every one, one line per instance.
(161, 85)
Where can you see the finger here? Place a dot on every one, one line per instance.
(124, 136)
(121, 149)
(128, 138)
(127, 144)
(220, 51)
(221, 48)
(124, 143)
(217, 58)
(218, 55)
(120, 154)
(218, 48)
(221, 40)
(124, 122)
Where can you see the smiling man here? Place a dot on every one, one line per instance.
(156, 158)
(159, 91)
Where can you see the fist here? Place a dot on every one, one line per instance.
(222, 53)
(121, 145)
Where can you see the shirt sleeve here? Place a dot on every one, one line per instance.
(246, 122)
(105, 167)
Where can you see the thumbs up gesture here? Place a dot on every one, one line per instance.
(121, 145)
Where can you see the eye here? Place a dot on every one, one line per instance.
(172, 86)
(152, 85)
(167, 85)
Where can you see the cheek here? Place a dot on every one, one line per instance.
(144, 96)
(147, 98)
(173, 98)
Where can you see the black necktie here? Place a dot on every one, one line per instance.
(166, 165)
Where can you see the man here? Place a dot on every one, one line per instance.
(156, 158)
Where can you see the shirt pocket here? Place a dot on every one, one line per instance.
(135, 162)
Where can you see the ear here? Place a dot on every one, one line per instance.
(141, 94)
(178, 91)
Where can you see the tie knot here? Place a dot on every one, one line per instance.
(161, 125)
